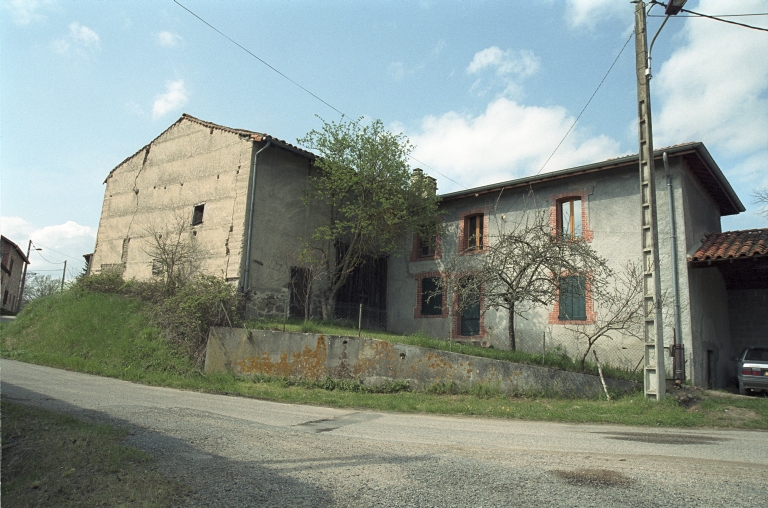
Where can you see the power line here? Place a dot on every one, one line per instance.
(725, 20)
(57, 252)
(296, 83)
(587, 104)
(713, 15)
(46, 260)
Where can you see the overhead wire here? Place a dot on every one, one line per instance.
(719, 18)
(587, 104)
(296, 83)
(57, 252)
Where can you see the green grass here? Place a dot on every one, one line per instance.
(112, 335)
(55, 460)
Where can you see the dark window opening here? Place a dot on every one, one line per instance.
(301, 289)
(157, 269)
(5, 297)
(569, 218)
(470, 307)
(573, 298)
(473, 232)
(197, 215)
(431, 297)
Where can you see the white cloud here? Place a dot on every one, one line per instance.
(175, 97)
(16, 229)
(168, 39)
(714, 88)
(67, 241)
(498, 68)
(24, 12)
(80, 40)
(508, 140)
(588, 13)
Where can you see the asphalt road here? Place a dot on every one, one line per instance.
(241, 452)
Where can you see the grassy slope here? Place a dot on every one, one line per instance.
(111, 335)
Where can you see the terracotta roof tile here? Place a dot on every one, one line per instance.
(733, 244)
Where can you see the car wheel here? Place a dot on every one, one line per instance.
(742, 390)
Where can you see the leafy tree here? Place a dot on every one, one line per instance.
(372, 198)
(526, 261)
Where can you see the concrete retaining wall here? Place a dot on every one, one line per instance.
(374, 362)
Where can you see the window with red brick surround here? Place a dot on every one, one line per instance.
(420, 296)
(473, 231)
(422, 252)
(457, 315)
(556, 217)
(554, 316)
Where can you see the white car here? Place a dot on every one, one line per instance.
(752, 369)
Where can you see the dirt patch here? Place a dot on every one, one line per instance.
(599, 478)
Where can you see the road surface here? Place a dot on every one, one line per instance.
(235, 451)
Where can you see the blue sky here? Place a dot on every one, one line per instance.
(485, 90)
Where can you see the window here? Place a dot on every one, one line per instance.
(431, 297)
(470, 324)
(157, 268)
(5, 297)
(473, 232)
(197, 215)
(569, 218)
(427, 247)
(573, 298)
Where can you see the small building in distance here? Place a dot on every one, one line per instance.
(13, 263)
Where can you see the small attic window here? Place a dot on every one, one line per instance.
(197, 215)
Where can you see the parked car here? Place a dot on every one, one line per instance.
(752, 369)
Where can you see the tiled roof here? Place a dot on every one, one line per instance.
(16, 247)
(733, 245)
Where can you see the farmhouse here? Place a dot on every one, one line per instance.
(237, 196)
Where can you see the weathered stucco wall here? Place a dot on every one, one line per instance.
(282, 223)
(612, 207)
(186, 166)
(373, 362)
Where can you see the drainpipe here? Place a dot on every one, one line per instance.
(248, 261)
(677, 352)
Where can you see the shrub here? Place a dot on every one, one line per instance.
(204, 302)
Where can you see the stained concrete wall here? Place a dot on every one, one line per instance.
(374, 362)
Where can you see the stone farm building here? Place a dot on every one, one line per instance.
(13, 264)
(240, 193)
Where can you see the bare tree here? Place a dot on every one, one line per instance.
(761, 199)
(39, 286)
(621, 310)
(175, 254)
(527, 261)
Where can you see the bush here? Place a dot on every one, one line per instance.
(204, 302)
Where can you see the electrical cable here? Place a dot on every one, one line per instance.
(297, 84)
(46, 260)
(725, 20)
(57, 252)
(587, 104)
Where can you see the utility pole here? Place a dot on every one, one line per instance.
(63, 274)
(23, 278)
(654, 378)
